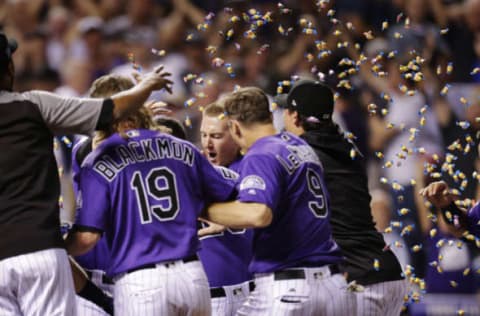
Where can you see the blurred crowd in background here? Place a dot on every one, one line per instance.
(406, 74)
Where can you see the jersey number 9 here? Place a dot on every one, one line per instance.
(160, 185)
(318, 206)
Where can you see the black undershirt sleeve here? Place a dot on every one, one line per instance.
(81, 228)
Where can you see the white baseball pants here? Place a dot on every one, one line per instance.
(173, 288)
(235, 296)
(37, 284)
(87, 308)
(318, 293)
(385, 298)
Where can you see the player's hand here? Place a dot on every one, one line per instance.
(211, 229)
(438, 194)
(157, 80)
(158, 108)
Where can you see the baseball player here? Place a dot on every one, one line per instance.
(282, 195)
(144, 190)
(227, 254)
(440, 195)
(369, 263)
(95, 261)
(35, 277)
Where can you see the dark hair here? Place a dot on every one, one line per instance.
(248, 105)
(308, 125)
(4, 64)
(7, 48)
(173, 124)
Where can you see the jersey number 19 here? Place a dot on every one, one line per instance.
(161, 185)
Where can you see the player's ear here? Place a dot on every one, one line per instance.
(235, 128)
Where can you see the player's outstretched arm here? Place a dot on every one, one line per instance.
(239, 214)
(130, 100)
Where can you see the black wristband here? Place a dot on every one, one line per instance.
(106, 115)
(83, 229)
(93, 294)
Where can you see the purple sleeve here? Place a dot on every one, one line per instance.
(261, 180)
(95, 201)
(473, 216)
(217, 186)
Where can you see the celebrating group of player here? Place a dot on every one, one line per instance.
(241, 228)
(259, 222)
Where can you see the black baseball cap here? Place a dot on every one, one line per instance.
(7, 48)
(309, 98)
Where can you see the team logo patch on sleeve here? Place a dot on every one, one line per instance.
(252, 182)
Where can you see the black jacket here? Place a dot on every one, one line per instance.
(351, 219)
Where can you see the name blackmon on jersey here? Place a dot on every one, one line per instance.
(140, 151)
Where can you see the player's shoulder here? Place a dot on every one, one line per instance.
(275, 145)
(289, 138)
(227, 173)
(264, 146)
(235, 165)
(106, 147)
(79, 142)
(81, 148)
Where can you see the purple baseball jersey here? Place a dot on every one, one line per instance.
(284, 173)
(226, 256)
(97, 258)
(146, 193)
(473, 216)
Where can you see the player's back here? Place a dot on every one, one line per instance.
(300, 234)
(352, 221)
(27, 163)
(156, 190)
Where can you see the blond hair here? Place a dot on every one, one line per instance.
(108, 85)
(214, 109)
